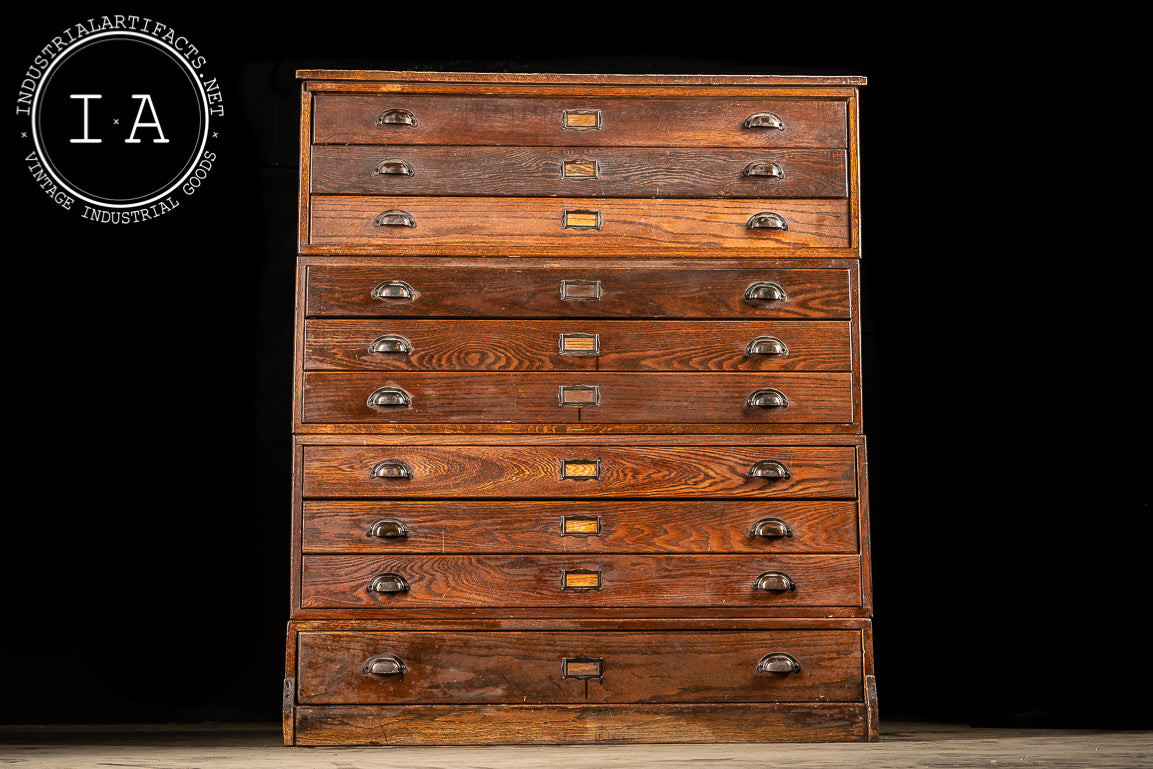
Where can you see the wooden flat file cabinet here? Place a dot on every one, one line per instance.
(577, 423)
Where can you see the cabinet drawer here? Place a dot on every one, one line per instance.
(585, 397)
(406, 582)
(632, 172)
(611, 120)
(572, 526)
(514, 291)
(576, 345)
(579, 471)
(579, 667)
(440, 225)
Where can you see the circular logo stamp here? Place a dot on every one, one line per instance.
(122, 119)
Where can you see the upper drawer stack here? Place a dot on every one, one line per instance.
(531, 171)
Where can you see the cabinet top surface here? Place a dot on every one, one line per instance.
(583, 79)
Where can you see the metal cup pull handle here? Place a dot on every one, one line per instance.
(389, 396)
(393, 289)
(391, 468)
(396, 117)
(764, 120)
(388, 583)
(767, 398)
(393, 167)
(775, 582)
(390, 343)
(778, 662)
(394, 218)
(384, 665)
(771, 528)
(765, 168)
(765, 220)
(764, 291)
(767, 345)
(769, 468)
(388, 528)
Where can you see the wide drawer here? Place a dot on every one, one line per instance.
(515, 291)
(399, 397)
(572, 526)
(579, 580)
(631, 172)
(579, 471)
(515, 225)
(579, 667)
(571, 345)
(403, 118)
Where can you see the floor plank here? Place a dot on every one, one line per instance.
(903, 745)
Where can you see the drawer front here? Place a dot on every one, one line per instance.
(584, 397)
(396, 118)
(579, 667)
(574, 526)
(578, 172)
(506, 225)
(579, 471)
(407, 582)
(511, 291)
(574, 345)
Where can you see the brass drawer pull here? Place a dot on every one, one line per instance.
(772, 528)
(572, 219)
(387, 397)
(394, 218)
(391, 468)
(393, 289)
(581, 119)
(767, 398)
(765, 168)
(396, 117)
(580, 469)
(394, 167)
(763, 291)
(388, 528)
(767, 345)
(765, 220)
(775, 582)
(388, 583)
(764, 120)
(769, 468)
(390, 343)
(583, 668)
(580, 526)
(778, 662)
(579, 395)
(384, 665)
(581, 579)
(580, 290)
(579, 344)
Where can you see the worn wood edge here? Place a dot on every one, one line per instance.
(610, 261)
(873, 722)
(559, 78)
(304, 210)
(506, 429)
(288, 695)
(497, 621)
(577, 439)
(580, 724)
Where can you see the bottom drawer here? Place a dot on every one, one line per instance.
(580, 667)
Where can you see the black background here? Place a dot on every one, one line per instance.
(148, 369)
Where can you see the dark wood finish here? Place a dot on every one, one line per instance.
(617, 526)
(467, 471)
(528, 291)
(534, 493)
(534, 397)
(579, 172)
(499, 345)
(448, 225)
(333, 581)
(637, 667)
(529, 121)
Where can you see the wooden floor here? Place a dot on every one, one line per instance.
(247, 746)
